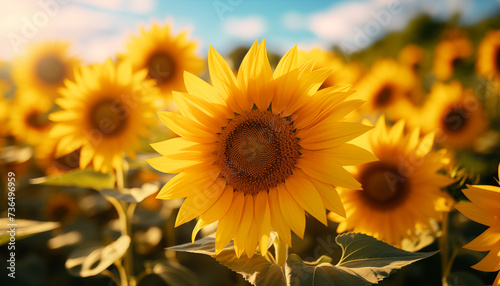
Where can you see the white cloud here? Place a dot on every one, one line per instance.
(358, 24)
(245, 28)
(142, 6)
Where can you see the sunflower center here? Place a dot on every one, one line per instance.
(257, 151)
(37, 120)
(51, 70)
(497, 60)
(161, 67)
(454, 119)
(109, 116)
(382, 184)
(384, 96)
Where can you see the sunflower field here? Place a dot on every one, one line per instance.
(249, 166)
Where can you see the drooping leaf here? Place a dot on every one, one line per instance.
(23, 228)
(85, 178)
(373, 259)
(256, 270)
(174, 273)
(134, 195)
(205, 245)
(91, 260)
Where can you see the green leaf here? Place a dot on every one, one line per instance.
(204, 245)
(134, 195)
(174, 273)
(89, 261)
(256, 270)
(371, 258)
(23, 228)
(85, 178)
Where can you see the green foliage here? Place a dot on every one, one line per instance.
(84, 178)
(24, 228)
(89, 261)
(365, 261)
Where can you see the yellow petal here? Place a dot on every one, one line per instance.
(485, 241)
(189, 182)
(167, 165)
(287, 63)
(329, 134)
(306, 195)
(228, 225)
(220, 207)
(198, 203)
(330, 197)
(263, 218)
(187, 128)
(489, 263)
(240, 238)
(277, 220)
(345, 154)
(327, 171)
(198, 87)
(484, 196)
(292, 212)
(476, 214)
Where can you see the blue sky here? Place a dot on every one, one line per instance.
(98, 29)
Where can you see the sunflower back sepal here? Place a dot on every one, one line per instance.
(84, 178)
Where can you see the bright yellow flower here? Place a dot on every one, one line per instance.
(165, 55)
(401, 191)
(484, 209)
(44, 67)
(448, 53)
(105, 111)
(29, 121)
(341, 73)
(258, 150)
(386, 87)
(488, 57)
(412, 56)
(454, 114)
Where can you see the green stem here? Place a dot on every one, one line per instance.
(281, 249)
(443, 247)
(111, 275)
(123, 274)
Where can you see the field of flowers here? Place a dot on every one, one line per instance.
(311, 167)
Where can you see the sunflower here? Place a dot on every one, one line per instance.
(44, 67)
(412, 56)
(484, 209)
(400, 192)
(29, 121)
(454, 114)
(386, 86)
(448, 54)
(165, 56)
(104, 112)
(488, 57)
(259, 149)
(51, 163)
(341, 73)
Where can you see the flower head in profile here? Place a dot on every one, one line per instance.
(44, 67)
(484, 209)
(165, 55)
(448, 55)
(488, 57)
(454, 114)
(104, 113)
(258, 150)
(29, 121)
(400, 192)
(387, 86)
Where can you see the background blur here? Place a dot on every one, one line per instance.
(358, 32)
